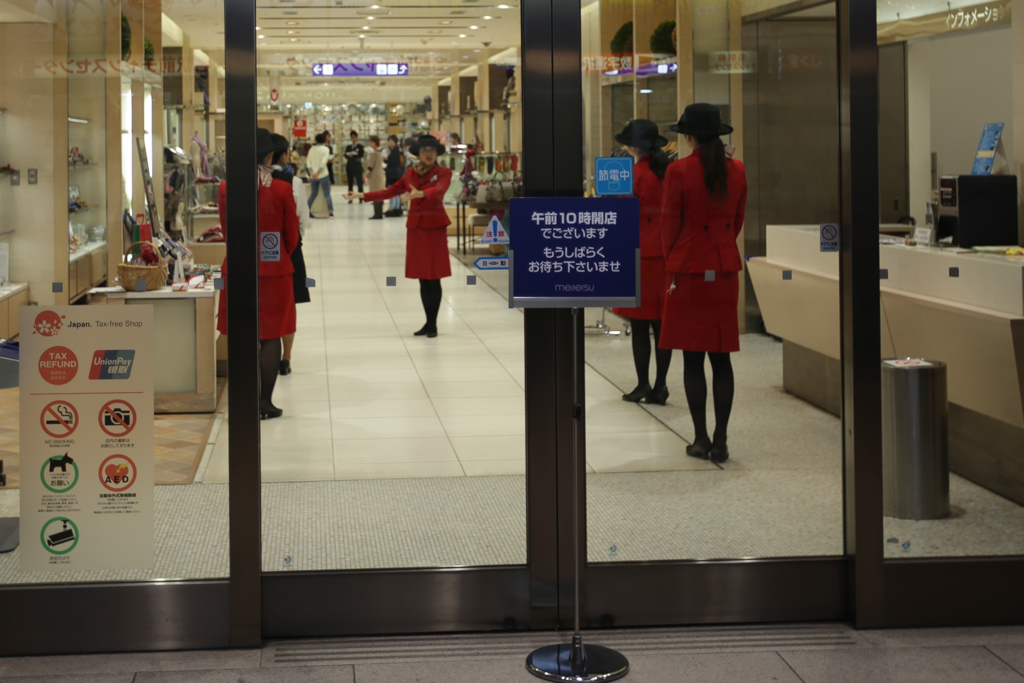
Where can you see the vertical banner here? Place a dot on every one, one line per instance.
(86, 438)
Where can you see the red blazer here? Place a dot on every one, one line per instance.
(647, 187)
(699, 233)
(276, 214)
(427, 212)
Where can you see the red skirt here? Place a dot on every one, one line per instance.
(700, 315)
(426, 253)
(652, 291)
(277, 306)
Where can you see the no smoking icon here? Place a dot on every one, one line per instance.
(59, 419)
(117, 418)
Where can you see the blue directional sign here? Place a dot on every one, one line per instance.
(491, 263)
(366, 69)
(574, 252)
(614, 176)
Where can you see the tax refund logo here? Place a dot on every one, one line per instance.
(112, 364)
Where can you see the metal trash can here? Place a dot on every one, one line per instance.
(915, 439)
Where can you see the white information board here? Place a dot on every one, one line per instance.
(86, 438)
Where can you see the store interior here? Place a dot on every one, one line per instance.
(399, 451)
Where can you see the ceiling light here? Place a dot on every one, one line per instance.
(261, 36)
(366, 28)
(294, 40)
(476, 50)
(462, 35)
(445, 23)
(369, 18)
(292, 33)
(291, 23)
(645, 91)
(504, 7)
(374, 6)
(433, 31)
(257, 28)
(474, 27)
(362, 36)
(488, 17)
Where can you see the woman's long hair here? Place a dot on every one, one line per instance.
(712, 157)
(659, 160)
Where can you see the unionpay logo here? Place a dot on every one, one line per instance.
(112, 365)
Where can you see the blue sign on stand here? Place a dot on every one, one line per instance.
(985, 157)
(613, 176)
(574, 252)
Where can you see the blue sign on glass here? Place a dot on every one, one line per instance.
(986, 155)
(574, 252)
(614, 176)
(361, 69)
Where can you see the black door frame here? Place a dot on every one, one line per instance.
(249, 606)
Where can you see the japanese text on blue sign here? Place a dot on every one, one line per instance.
(574, 252)
(361, 69)
(614, 176)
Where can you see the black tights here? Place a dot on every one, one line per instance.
(697, 391)
(430, 295)
(270, 365)
(642, 353)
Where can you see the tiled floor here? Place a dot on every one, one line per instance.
(811, 653)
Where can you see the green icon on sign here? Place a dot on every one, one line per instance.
(55, 475)
(59, 536)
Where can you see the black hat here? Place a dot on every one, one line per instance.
(280, 143)
(426, 141)
(701, 119)
(264, 144)
(641, 133)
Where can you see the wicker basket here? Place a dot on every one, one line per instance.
(128, 274)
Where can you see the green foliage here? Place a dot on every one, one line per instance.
(622, 42)
(661, 39)
(148, 50)
(126, 38)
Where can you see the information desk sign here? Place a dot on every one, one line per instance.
(86, 438)
(613, 176)
(574, 252)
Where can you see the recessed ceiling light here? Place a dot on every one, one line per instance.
(294, 40)
(374, 6)
(257, 28)
(369, 18)
(433, 31)
(261, 36)
(292, 23)
(462, 35)
(292, 33)
(646, 91)
(476, 50)
(488, 17)
(366, 28)
(445, 23)
(362, 36)
(474, 27)
(503, 7)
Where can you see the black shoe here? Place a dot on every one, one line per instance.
(376, 218)
(269, 411)
(641, 392)
(432, 333)
(719, 452)
(350, 201)
(426, 330)
(397, 213)
(699, 448)
(658, 396)
(286, 367)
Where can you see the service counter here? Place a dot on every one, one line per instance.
(12, 297)
(956, 306)
(185, 340)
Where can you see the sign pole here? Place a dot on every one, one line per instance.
(575, 663)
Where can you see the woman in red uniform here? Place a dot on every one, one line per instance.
(277, 223)
(704, 202)
(642, 140)
(426, 246)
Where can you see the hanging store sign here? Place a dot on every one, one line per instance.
(299, 129)
(950, 21)
(352, 69)
(88, 432)
(574, 252)
(732, 62)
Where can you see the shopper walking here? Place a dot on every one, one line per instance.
(277, 222)
(375, 177)
(284, 172)
(354, 164)
(426, 244)
(704, 203)
(641, 138)
(330, 158)
(393, 173)
(316, 166)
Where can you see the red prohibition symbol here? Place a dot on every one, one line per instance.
(828, 232)
(59, 419)
(117, 418)
(270, 241)
(118, 473)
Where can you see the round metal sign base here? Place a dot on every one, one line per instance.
(600, 664)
